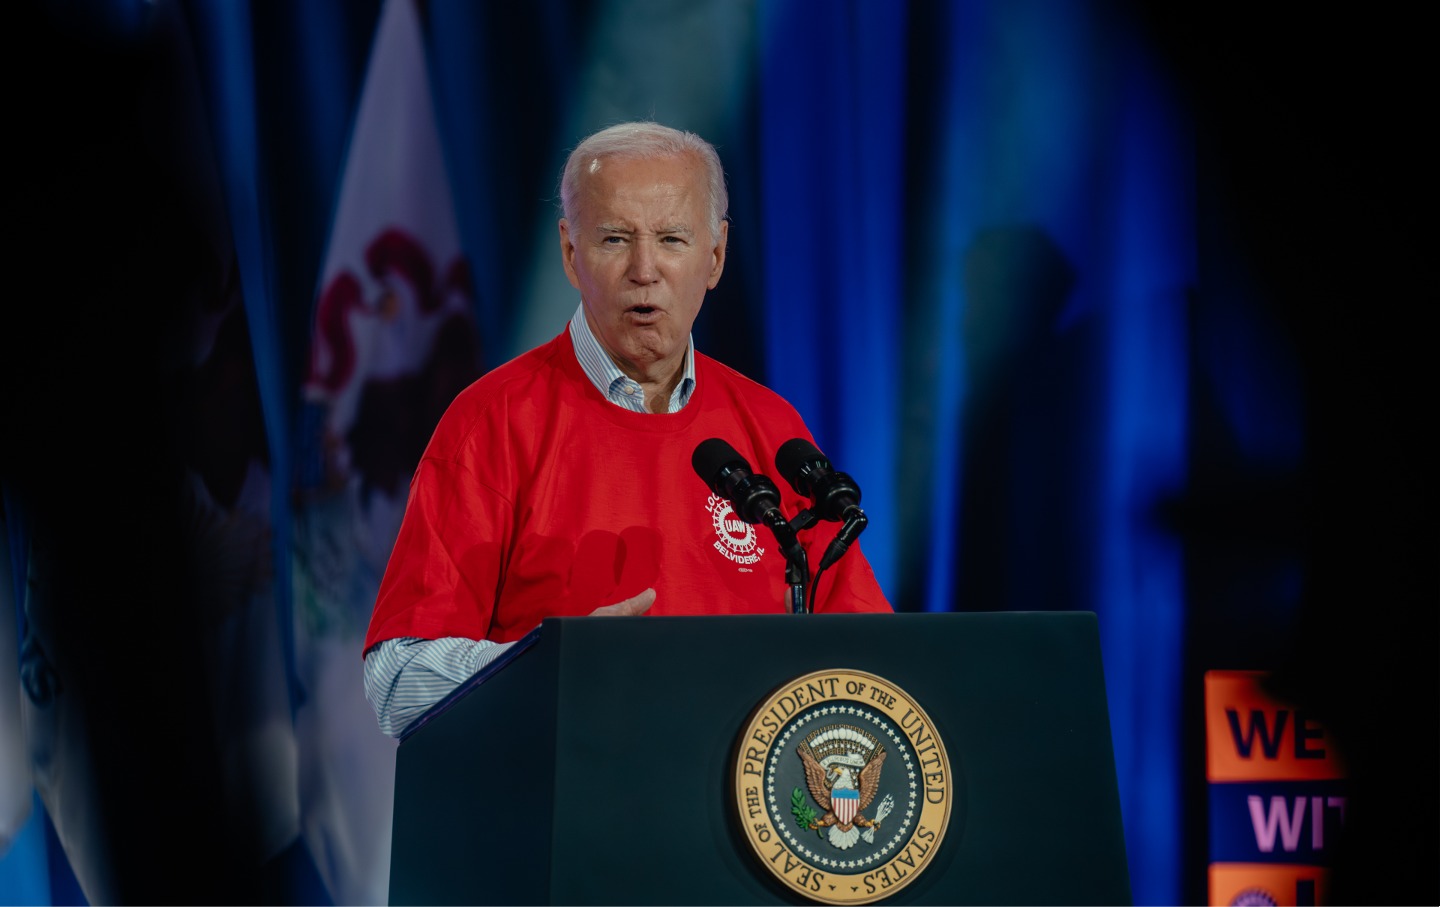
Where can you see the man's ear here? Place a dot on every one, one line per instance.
(567, 254)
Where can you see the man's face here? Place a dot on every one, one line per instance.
(640, 252)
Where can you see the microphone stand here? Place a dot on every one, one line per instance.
(797, 562)
(795, 582)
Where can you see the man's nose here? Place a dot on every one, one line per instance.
(643, 262)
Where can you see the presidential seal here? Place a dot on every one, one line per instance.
(843, 786)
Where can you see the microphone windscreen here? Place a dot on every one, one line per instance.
(711, 456)
(792, 456)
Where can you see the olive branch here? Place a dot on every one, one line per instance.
(803, 812)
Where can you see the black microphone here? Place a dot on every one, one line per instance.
(833, 494)
(754, 496)
(728, 474)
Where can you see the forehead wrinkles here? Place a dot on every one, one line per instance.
(652, 206)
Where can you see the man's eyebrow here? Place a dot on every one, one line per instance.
(631, 231)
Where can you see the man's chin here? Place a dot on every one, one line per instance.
(645, 353)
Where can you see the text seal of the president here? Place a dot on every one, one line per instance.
(843, 786)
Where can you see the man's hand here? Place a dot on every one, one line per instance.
(629, 607)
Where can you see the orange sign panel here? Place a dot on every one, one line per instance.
(1260, 885)
(1252, 735)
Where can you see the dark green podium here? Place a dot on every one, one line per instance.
(595, 763)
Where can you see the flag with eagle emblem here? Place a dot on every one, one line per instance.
(394, 340)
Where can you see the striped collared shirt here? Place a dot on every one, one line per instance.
(617, 386)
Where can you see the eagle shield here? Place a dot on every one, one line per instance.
(842, 769)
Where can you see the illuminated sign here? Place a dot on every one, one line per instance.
(1277, 795)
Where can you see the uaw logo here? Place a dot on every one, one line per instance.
(843, 786)
(734, 538)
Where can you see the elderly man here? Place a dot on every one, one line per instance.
(561, 483)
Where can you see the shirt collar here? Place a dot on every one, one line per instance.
(615, 385)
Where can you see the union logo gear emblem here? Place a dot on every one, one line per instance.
(734, 538)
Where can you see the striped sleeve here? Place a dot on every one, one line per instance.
(404, 677)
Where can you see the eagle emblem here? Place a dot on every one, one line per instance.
(842, 769)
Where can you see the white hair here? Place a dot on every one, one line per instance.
(641, 140)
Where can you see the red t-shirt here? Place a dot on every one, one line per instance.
(537, 497)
